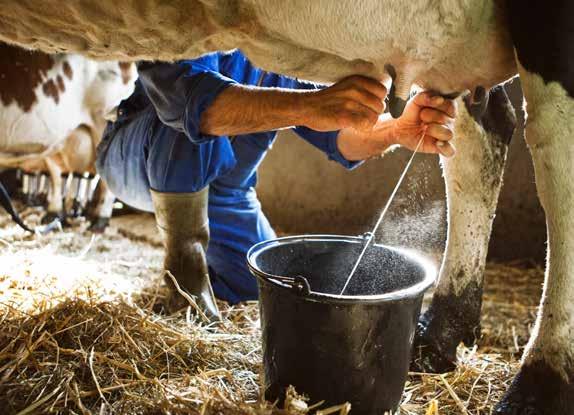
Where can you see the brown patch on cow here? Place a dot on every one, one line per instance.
(60, 82)
(51, 90)
(125, 68)
(21, 71)
(68, 70)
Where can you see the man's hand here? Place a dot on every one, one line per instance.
(433, 115)
(426, 113)
(355, 102)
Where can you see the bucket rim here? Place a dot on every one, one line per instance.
(413, 291)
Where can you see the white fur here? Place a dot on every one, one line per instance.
(446, 45)
(62, 136)
(473, 181)
(86, 98)
(550, 137)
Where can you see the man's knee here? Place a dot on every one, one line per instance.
(120, 163)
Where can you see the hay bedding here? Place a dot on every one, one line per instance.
(80, 333)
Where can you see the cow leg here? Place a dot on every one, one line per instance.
(73, 199)
(43, 188)
(55, 200)
(545, 382)
(29, 188)
(25, 187)
(473, 179)
(101, 207)
(34, 199)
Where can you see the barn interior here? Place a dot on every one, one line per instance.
(84, 327)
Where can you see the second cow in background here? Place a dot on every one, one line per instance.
(52, 110)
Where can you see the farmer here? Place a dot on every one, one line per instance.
(187, 144)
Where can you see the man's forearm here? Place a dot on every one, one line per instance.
(242, 110)
(355, 102)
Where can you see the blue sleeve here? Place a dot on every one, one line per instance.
(327, 143)
(279, 81)
(180, 92)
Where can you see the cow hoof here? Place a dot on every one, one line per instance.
(537, 389)
(450, 320)
(52, 217)
(432, 353)
(77, 209)
(171, 304)
(34, 200)
(98, 224)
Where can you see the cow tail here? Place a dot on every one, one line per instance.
(7, 205)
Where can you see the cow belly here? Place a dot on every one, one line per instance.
(446, 45)
(450, 44)
(33, 133)
(42, 127)
(27, 134)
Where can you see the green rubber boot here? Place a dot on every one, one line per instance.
(184, 225)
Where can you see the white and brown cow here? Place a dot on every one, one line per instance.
(450, 46)
(52, 110)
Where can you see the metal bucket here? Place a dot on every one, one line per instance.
(354, 347)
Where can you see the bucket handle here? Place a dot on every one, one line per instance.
(366, 235)
(298, 284)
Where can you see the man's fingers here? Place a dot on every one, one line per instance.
(428, 99)
(439, 132)
(433, 146)
(364, 97)
(437, 140)
(448, 107)
(425, 99)
(445, 148)
(372, 85)
(430, 115)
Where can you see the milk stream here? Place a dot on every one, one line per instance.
(382, 215)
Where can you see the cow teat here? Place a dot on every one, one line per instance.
(396, 105)
(402, 81)
(477, 102)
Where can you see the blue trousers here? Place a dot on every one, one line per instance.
(142, 153)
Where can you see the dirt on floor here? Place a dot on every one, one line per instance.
(82, 331)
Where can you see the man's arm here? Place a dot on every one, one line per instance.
(354, 102)
(244, 109)
(353, 107)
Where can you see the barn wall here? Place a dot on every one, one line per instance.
(301, 191)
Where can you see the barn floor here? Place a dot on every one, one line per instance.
(80, 333)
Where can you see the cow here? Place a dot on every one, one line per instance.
(464, 48)
(52, 110)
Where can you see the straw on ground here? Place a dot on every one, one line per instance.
(84, 335)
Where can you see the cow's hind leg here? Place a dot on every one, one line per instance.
(473, 180)
(545, 382)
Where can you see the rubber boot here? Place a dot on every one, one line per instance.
(184, 225)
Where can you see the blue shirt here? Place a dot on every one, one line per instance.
(178, 157)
